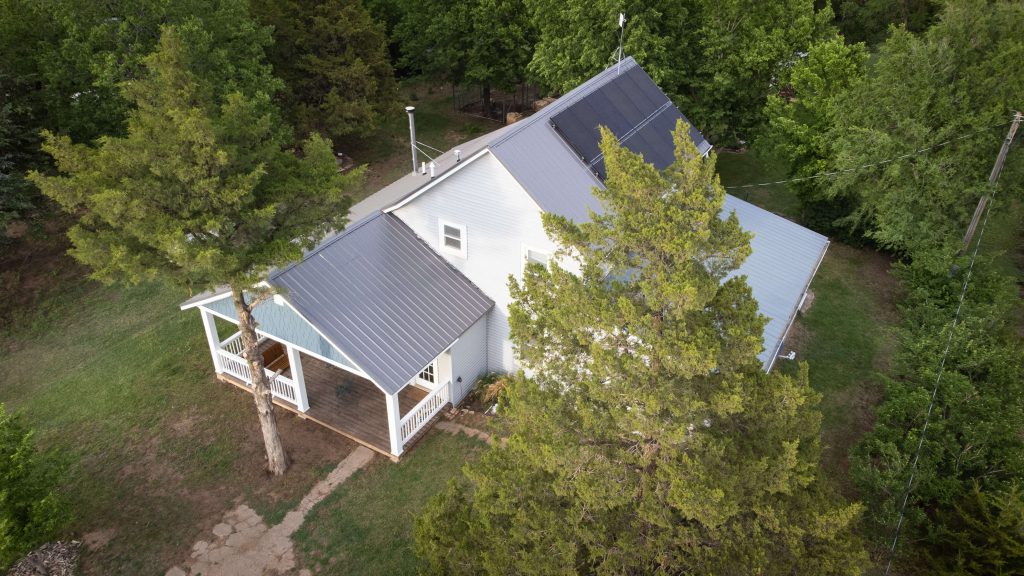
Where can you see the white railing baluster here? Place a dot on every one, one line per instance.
(280, 386)
(424, 412)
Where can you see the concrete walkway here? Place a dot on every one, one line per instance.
(244, 545)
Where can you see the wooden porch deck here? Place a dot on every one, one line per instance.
(352, 405)
(339, 400)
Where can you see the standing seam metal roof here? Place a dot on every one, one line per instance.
(384, 298)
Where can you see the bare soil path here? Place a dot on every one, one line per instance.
(243, 544)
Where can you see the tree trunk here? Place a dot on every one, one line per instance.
(487, 100)
(277, 460)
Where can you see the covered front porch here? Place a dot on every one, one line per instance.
(335, 397)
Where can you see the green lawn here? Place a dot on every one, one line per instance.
(846, 338)
(118, 384)
(365, 526)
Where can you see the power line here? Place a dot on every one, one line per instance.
(872, 164)
(949, 341)
(439, 151)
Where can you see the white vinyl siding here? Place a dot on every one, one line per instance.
(468, 360)
(486, 199)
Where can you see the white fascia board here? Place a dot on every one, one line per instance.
(205, 301)
(436, 181)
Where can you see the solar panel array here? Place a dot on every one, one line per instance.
(633, 107)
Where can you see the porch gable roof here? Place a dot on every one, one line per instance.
(383, 297)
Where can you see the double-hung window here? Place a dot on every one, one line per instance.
(452, 238)
(534, 256)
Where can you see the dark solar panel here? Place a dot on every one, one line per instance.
(634, 109)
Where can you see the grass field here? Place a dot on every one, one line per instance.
(118, 384)
(365, 526)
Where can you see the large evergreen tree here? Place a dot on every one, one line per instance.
(333, 58)
(204, 188)
(717, 60)
(647, 438)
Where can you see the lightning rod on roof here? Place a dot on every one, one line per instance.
(622, 29)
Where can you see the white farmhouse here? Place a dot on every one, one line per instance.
(379, 328)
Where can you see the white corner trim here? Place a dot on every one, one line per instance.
(437, 181)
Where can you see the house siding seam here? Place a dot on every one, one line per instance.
(499, 217)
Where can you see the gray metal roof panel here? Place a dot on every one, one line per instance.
(382, 296)
(784, 257)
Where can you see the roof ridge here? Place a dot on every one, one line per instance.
(574, 95)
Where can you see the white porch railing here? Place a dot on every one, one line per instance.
(233, 363)
(427, 408)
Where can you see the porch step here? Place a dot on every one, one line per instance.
(426, 428)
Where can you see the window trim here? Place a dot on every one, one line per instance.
(526, 256)
(462, 251)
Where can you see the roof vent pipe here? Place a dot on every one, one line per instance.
(423, 168)
(458, 155)
(412, 134)
(432, 167)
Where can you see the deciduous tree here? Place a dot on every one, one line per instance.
(203, 188)
(646, 438)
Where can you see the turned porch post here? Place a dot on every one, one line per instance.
(212, 339)
(394, 422)
(301, 401)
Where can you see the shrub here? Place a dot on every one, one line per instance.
(30, 510)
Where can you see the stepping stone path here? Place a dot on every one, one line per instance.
(243, 544)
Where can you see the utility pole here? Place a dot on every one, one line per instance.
(992, 179)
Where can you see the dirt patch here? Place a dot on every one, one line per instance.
(98, 538)
(186, 491)
(797, 338)
(243, 543)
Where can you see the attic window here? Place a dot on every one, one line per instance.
(452, 238)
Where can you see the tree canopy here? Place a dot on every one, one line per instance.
(333, 58)
(957, 79)
(717, 60)
(483, 42)
(646, 438)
